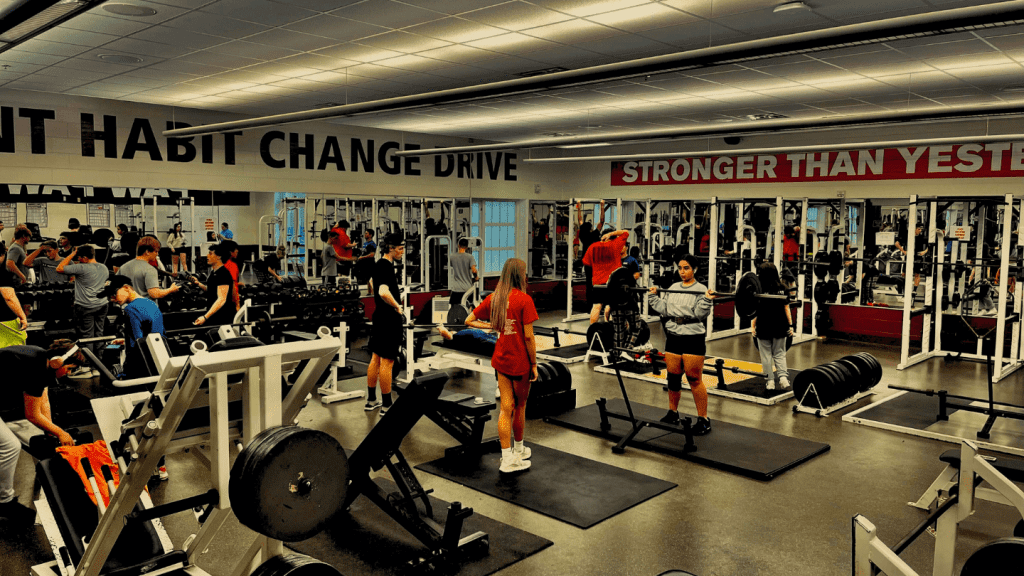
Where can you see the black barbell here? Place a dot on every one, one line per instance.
(748, 291)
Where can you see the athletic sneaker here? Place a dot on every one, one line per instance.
(702, 427)
(372, 405)
(671, 418)
(161, 473)
(783, 383)
(384, 409)
(513, 464)
(525, 454)
(17, 513)
(643, 347)
(770, 385)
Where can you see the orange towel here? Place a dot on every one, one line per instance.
(98, 455)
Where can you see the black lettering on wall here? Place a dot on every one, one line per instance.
(207, 146)
(479, 175)
(510, 165)
(361, 156)
(175, 146)
(229, 147)
(465, 166)
(37, 121)
(493, 168)
(141, 127)
(392, 166)
(444, 165)
(90, 135)
(331, 154)
(411, 162)
(6, 130)
(294, 150)
(265, 143)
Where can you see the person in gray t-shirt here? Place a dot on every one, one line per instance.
(329, 260)
(16, 256)
(44, 261)
(463, 272)
(143, 275)
(90, 309)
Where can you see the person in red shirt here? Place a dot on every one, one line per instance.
(232, 267)
(343, 248)
(511, 313)
(604, 257)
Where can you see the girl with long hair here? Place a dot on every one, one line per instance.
(179, 253)
(511, 313)
(772, 325)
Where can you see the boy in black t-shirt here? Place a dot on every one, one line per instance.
(388, 319)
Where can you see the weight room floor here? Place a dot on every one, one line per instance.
(713, 523)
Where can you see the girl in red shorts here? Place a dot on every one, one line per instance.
(511, 313)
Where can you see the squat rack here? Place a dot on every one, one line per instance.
(569, 315)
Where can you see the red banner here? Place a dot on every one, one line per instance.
(993, 160)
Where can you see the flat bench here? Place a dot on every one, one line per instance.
(1012, 468)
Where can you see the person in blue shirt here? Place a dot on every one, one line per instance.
(225, 232)
(633, 260)
(144, 318)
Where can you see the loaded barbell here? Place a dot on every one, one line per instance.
(748, 292)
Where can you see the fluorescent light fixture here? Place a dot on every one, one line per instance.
(30, 18)
(595, 145)
(791, 6)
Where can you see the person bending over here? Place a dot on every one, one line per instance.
(684, 316)
(13, 320)
(219, 288)
(144, 318)
(771, 326)
(90, 310)
(31, 370)
(272, 263)
(510, 311)
(388, 319)
(604, 257)
(464, 272)
(142, 270)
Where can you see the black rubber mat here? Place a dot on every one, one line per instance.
(917, 411)
(754, 386)
(365, 541)
(563, 486)
(566, 351)
(746, 451)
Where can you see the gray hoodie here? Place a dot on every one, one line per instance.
(691, 310)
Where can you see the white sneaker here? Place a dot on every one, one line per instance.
(513, 464)
(497, 392)
(783, 383)
(525, 454)
(770, 385)
(643, 347)
(372, 405)
(81, 374)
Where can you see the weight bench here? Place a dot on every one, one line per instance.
(1011, 468)
(461, 417)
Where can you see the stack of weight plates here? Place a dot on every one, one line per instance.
(837, 381)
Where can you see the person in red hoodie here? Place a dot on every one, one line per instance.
(511, 313)
(604, 257)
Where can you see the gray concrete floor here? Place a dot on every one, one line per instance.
(713, 523)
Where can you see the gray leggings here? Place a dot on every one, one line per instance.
(773, 350)
(10, 450)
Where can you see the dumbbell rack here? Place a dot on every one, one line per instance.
(155, 431)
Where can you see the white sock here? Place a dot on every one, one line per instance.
(506, 454)
(518, 444)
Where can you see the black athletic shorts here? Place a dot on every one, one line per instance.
(386, 335)
(182, 250)
(598, 295)
(691, 344)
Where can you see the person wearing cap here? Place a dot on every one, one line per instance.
(31, 370)
(144, 318)
(388, 320)
(90, 310)
(623, 305)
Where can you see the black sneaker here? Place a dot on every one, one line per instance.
(17, 513)
(702, 427)
(671, 418)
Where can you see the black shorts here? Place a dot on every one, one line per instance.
(182, 250)
(386, 336)
(689, 344)
(598, 295)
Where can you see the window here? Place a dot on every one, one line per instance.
(9, 214)
(499, 234)
(291, 219)
(854, 223)
(99, 216)
(36, 212)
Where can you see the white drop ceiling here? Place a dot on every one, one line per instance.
(261, 57)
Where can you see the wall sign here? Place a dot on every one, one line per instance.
(100, 195)
(993, 160)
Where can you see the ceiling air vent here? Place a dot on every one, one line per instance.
(764, 116)
(129, 10)
(120, 59)
(542, 71)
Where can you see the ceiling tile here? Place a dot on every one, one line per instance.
(414, 63)
(167, 75)
(129, 84)
(512, 43)
(516, 16)
(455, 30)
(583, 8)
(187, 67)
(16, 56)
(259, 11)
(163, 11)
(645, 17)
(571, 31)
(888, 69)
(302, 84)
(683, 36)
(1012, 42)
(458, 54)
(245, 75)
(179, 37)
(282, 69)
(453, 6)
(96, 21)
(336, 78)
(800, 69)
(567, 57)
(387, 13)
(341, 29)
(219, 60)
(954, 62)
(215, 25)
(17, 71)
(401, 41)
(77, 37)
(316, 62)
(94, 65)
(945, 49)
(282, 38)
(71, 74)
(144, 48)
(52, 48)
(319, 5)
(509, 65)
(852, 11)
(250, 50)
(372, 71)
(625, 45)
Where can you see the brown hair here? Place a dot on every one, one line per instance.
(513, 276)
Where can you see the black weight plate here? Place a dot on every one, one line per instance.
(847, 385)
(830, 392)
(644, 335)
(606, 332)
(544, 374)
(833, 289)
(295, 565)
(876, 372)
(947, 273)
(562, 378)
(820, 292)
(747, 291)
(289, 482)
(802, 382)
(864, 371)
(457, 314)
(1018, 529)
(835, 262)
(1000, 557)
(956, 300)
(821, 264)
